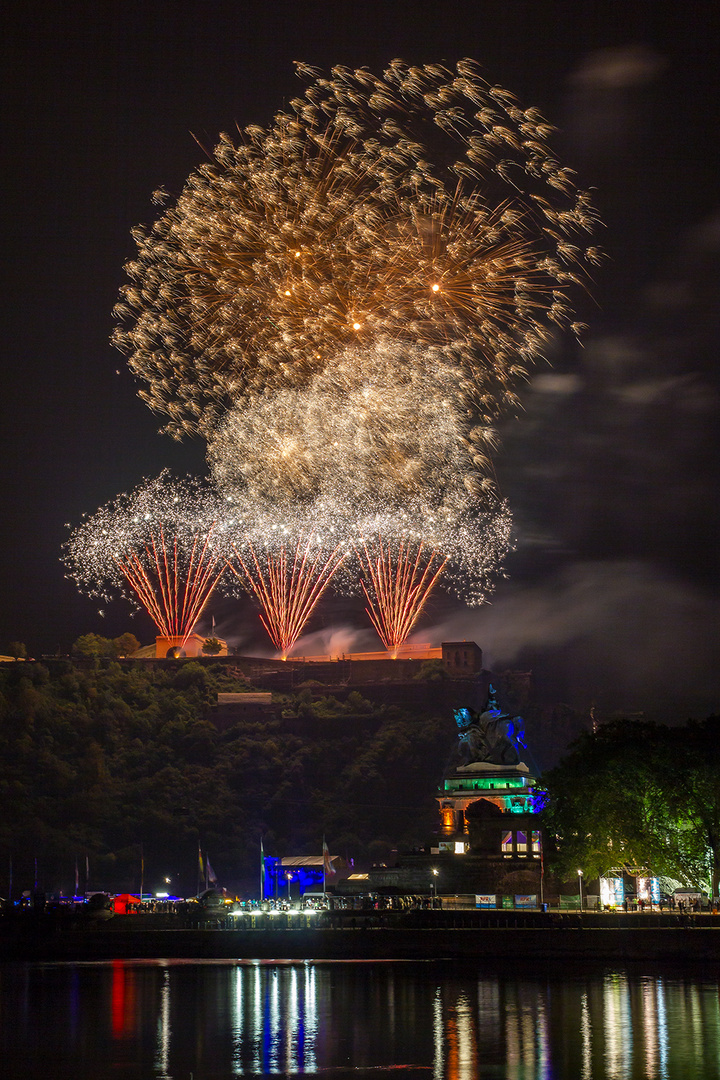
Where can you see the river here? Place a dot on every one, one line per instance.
(206, 1020)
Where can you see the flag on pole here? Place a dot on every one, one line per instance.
(210, 872)
(201, 869)
(327, 861)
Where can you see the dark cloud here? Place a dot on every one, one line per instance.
(622, 635)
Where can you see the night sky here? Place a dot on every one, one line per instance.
(612, 468)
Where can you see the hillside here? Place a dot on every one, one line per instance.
(101, 758)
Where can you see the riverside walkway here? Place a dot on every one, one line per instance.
(414, 935)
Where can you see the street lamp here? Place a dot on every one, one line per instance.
(433, 884)
(580, 877)
(288, 875)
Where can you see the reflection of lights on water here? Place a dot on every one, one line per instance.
(648, 997)
(292, 1052)
(274, 1019)
(256, 992)
(391, 1007)
(469, 1034)
(519, 1040)
(273, 1030)
(438, 1038)
(236, 1014)
(618, 1026)
(311, 1018)
(544, 1057)
(466, 1040)
(612, 1028)
(488, 1000)
(162, 1054)
(124, 1016)
(662, 1029)
(586, 1039)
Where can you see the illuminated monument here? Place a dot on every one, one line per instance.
(486, 764)
(490, 837)
(487, 798)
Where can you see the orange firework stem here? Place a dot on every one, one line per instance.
(173, 597)
(202, 582)
(136, 576)
(288, 595)
(397, 589)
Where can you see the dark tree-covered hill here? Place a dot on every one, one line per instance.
(103, 763)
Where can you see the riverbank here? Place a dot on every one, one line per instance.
(406, 936)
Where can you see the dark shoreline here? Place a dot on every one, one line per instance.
(468, 935)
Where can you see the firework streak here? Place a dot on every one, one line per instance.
(288, 587)
(161, 546)
(422, 206)
(396, 586)
(173, 588)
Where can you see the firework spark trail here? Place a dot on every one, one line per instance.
(165, 541)
(422, 206)
(173, 597)
(384, 420)
(204, 578)
(137, 578)
(397, 585)
(343, 304)
(288, 595)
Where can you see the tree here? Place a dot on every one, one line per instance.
(18, 649)
(126, 645)
(211, 646)
(432, 670)
(95, 757)
(92, 646)
(639, 794)
(693, 792)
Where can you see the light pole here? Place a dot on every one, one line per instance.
(433, 884)
(580, 877)
(289, 879)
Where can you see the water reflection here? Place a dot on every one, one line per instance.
(162, 1054)
(170, 1019)
(122, 1000)
(273, 1019)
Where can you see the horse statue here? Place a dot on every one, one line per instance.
(490, 736)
